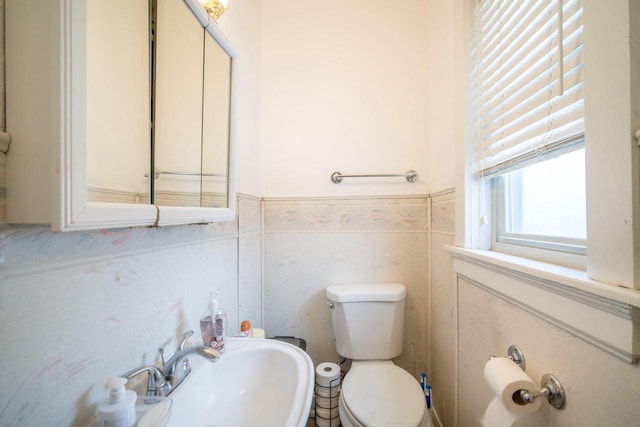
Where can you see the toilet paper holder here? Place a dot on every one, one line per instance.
(515, 353)
(551, 389)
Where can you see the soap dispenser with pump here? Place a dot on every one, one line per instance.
(213, 325)
(119, 409)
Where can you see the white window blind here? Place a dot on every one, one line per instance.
(530, 84)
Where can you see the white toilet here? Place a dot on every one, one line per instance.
(368, 322)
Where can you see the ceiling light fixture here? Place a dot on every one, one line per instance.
(215, 8)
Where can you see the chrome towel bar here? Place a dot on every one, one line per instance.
(411, 176)
(157, 174)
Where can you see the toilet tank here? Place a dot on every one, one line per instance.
(367, 319)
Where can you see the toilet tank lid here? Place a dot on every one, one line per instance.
(366, 292)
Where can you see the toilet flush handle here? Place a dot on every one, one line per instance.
(330, 304)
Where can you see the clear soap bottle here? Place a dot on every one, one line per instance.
(213, 325)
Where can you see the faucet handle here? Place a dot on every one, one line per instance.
(156, 383)
(181, 344)
(161, 351)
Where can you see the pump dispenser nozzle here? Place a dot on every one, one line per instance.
(120, 408)
(116, 389)
(213, 302)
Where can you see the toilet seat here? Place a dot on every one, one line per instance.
(381, 394)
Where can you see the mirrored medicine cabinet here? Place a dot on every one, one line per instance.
(143, 134)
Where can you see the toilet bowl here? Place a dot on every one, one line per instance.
(381, 394)
(368, 323)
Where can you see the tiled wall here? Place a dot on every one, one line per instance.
(312, 243)
(250, 260)
(443, 321)
(78, 307)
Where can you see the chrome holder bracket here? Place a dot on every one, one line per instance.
(516, 354)
(551, 389)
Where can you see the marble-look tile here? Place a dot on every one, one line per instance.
(443, 213)
(443, 329)
(69, 328)
(393, 214)
(35, 248)
(250, 260)
(249, 213)
(312, 243)
(443, 309)
(299, 266)
(250, 277)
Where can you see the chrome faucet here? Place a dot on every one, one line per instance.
(161, 382)
(177, 367)
(157, 385)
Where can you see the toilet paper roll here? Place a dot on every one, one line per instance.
(323, 422)
(327, 413)
(328, 374)
(327, 402)
(506, 379)
(328, 391)
(497, 416)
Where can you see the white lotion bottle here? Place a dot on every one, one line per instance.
(119, 409)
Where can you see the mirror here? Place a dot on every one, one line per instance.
(117, 101)
(178, 102)
(173, 74)
(216, 125)
(192, 99)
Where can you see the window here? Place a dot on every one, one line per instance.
(529, 57)
(543, 205)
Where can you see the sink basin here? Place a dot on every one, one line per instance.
(256, 382)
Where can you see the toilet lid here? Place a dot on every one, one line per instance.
(383, 395)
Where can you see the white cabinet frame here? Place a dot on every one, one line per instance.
(46, 104)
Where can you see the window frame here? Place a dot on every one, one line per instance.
(549, 248)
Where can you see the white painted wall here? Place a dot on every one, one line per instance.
(242, 25)
(612, 77)
(344, 88)
(444, 94)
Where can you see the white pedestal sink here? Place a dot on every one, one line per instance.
(256, 382)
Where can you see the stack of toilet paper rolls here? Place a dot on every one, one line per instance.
(327, 395)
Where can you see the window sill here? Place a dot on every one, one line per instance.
(607, 316)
